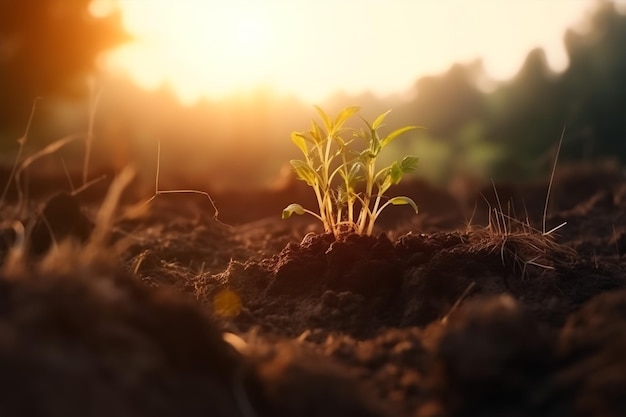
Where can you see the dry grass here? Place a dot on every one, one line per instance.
(70, 257)
(63, 255)
(519, 244)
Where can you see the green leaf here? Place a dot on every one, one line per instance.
(304, 171)
(299, 140)
(344, 115)
(291, 209)
(395, 172)
(398, 169)
(385, 141)
(379, 120)
(402, 200)
(409, 164)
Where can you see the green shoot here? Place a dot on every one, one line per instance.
(349, 189)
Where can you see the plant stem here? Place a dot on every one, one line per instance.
(368, 195)
(374, 215)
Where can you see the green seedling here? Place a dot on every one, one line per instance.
(348, 186)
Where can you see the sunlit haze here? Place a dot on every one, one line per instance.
(313, 49)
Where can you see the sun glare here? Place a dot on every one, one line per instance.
(195, 48)
(312, 49)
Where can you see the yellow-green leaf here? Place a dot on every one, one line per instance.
(344, 115)
(327, 122)
(300, 142)
(304, 171)
(379, 120)
(317, 134)
(395, 173)
(291, 209)
(402, 200)
(409, 164)
(385, 141)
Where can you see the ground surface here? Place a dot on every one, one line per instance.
(178, 314)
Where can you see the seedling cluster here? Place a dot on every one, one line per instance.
(340, 165)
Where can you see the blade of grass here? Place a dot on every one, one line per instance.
(22, 142)
(94, 99)
(556, 159)
(158, 192)
(50, 149)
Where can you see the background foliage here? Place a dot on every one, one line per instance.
(506, 130)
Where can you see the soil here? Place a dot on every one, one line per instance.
(466, 309)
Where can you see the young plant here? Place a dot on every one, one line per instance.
(344, 176)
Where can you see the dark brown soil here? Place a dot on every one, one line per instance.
(435, 315)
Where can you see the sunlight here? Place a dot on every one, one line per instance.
(194, 49)
(312, 49)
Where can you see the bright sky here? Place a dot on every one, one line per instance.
(314, 48)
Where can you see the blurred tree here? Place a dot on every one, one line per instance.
(445, 103)
(595, 84)
(45, 48)
(526, 117)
